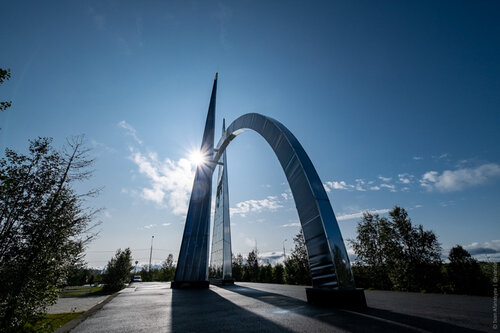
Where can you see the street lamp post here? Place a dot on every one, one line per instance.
(151, 252)
(284, 253)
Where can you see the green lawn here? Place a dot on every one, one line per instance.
(50, 322)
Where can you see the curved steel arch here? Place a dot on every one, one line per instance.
(328, 260)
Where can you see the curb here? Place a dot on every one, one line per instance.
(75, 322)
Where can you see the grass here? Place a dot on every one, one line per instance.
(50, 322)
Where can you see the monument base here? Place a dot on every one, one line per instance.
(189, 284)
(222, 282)
(337, 298)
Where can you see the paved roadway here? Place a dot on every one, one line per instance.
(255, 307)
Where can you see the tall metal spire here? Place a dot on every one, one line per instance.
(192, 265)
(220, 271)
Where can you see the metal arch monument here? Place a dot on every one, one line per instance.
(332, 280)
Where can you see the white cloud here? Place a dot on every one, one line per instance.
(391, 187)
(250, 242)
(486, 248)
(341, 185)
(130, 131)
(294, 224)
(443, 155)
(384, 179)
(405, 178)
(416, 158)
(149, 226)
(359, 185)
(171, 181)
(242, 208)
(375, 188)
(166, 224)
(360, 214)
(456, 180)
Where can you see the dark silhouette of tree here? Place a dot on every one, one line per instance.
(118, 270)
(4, 76)
(252, 266)
(44, 226)
(265, 274)
(297, 264)
(278, 272)
(464, 273)
(238, 267)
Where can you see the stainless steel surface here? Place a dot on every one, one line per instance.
(328, 259)
(220, 259)
(192, 264)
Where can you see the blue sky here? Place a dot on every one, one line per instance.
(396, 103)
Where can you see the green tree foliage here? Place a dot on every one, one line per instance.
(78, 275)
(393, 251)
(118, 270)
(465, 275)
(251, 271)
(44, 226)
(238, 267)
(297, 264)
(266, 274)
(168, 269)
(278, 272)
(4, 76)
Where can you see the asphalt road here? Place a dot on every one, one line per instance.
(255, 307)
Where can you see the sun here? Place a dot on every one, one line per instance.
(197, 158)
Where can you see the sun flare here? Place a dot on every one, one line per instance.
(197, 158)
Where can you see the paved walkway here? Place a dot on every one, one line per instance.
(75, 304)
(254, 307)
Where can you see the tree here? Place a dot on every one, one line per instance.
(266, 274)
(44, 225)
(4, 76)
(237, 267)
(464, 273)
(278, 272)
(168, 269)
(118, 270)
(394, 251)
(297, 264)
(371, 247)
(252, 266)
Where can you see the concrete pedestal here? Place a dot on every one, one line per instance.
(189, 284)
(222, 282)
(337, 298)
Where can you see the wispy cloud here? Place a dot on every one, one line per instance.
(385, 179)
(293, 224)
(390, 187)
(166, 224)
(456, 180)
(242, 208)
(360, 214)
(170, 181)
(130, 131)
(405, 178)
(416, 158)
